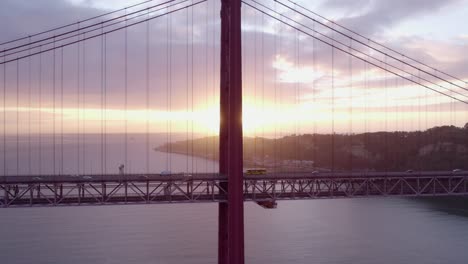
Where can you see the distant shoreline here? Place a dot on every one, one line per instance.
(439, 148)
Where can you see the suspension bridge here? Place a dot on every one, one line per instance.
(133, 106)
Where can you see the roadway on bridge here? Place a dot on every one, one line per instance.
(216, 176)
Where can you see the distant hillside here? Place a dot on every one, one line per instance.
(438, 148)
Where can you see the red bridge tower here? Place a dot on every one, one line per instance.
(231, 214)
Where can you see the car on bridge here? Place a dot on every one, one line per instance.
(166, 173)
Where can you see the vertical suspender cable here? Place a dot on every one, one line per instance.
(187, 91)
(466, 131)
(4, 120)
(29, 112)
(453, 111)
(333, 104)
(386, 116)
(167, 92)
(78, 108)
(40, 112)
(83, 83)
(61, 113)
(255, 87)
(53, 110)
(440, 100)
(366, 116)
(396, 165)
(5, 163)
(402, 85)
(170, 91)
(192, 82)
(296, 97)
(147, 93)
(105, 104)
(453, 122)
(275, 101)
(126, 167)
(206, 84)
(101, 150)
(213, 76)
(420, 132)
(17, 117)
(263, 88)
(314, 87)
(426, 127)
(244, 67)
(351, 135)
(419, 109)
(280, 153)
(411, 125)
(298, 103)
(397, 107)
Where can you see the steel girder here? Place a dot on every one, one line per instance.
(23, 194)
(290, 189)
(102, 193)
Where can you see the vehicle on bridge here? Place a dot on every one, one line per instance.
(256, 171)
(166, 173)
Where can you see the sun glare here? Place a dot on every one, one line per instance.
(291, 73)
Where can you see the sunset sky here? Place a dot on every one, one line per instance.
(287, 76)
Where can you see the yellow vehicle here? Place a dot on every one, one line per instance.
(256, 171)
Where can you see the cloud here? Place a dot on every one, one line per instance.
(382, 14)
(291, 73)
(25, 17)
(82, 76)
(290, 60)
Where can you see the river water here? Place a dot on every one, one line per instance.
(381, 230)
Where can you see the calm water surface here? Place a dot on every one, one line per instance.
(321, 231)
(386, 230)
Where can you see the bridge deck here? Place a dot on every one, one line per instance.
(59, 190)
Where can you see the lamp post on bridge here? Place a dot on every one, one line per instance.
(231, 214)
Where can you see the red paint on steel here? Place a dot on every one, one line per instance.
(223, 137)
(223, 233)
(223, 150)
(231, 215)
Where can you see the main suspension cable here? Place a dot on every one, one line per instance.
(360, 58)
(379, 51)
(107, 32)
(97, 25)
(72, 24)
(344, 45)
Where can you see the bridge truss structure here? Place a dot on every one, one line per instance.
(52, 191)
